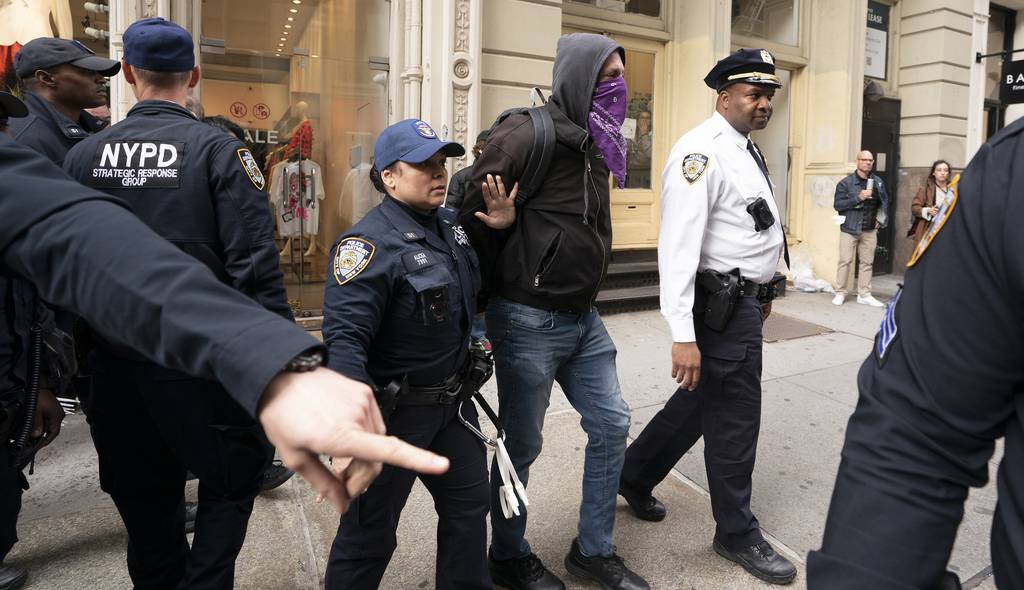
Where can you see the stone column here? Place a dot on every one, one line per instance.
(122, 14)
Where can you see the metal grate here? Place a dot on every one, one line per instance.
(780, 327)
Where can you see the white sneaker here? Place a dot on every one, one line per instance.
(869, 300)
(838, 299)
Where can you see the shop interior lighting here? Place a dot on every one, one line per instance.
(296, 1)
(293, 10)
(284, 38)
(291, 18)
(287, 26)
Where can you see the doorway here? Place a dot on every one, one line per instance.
(880, 133)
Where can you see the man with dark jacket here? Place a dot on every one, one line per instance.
(62, 78)
(543, 274)
(861, 198)
(460, 180)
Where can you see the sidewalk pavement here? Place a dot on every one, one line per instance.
(71, 536)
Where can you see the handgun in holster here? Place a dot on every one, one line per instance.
(480, 367)
(717, 298)
(387, 396)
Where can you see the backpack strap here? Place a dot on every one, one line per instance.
(541, 154)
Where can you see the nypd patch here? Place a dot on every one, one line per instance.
(252, 169)
(460, 236)
(888, 330)
(694, 166)
(352, 257)
(425, 130)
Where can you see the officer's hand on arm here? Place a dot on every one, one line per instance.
(321, 412)
(501, 208)
(686, 364)
(48, 418)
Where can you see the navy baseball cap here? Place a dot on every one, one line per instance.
(158, 45)
(11, 106)
(411, 141)
(47, 52)
(752, 66)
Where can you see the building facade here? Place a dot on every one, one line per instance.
(314, 81)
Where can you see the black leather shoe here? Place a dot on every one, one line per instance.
(644, 506)
(525, 573)
(609, 572)
(761, 561)
(191, 508)
(275, 476)
(11, 577)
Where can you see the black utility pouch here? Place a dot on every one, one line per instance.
(721, 291)
(762, 214)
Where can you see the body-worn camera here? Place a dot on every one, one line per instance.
(762, 214)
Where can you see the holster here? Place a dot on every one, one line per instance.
(457, 388)
(717, 296)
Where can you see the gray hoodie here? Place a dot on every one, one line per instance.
(578, 61)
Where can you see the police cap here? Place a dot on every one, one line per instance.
(47, 52)
(412, 141)
(158, 45)
(753, 66)
(11, 106)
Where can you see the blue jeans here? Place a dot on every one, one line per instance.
(532, 349)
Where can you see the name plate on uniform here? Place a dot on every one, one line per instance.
(137, 164)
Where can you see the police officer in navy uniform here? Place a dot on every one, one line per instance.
(61, 78)
(945, 381)
(720, 242)
(24, 323)
(398, 307)
(202, 190)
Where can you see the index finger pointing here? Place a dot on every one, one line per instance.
(388, 449)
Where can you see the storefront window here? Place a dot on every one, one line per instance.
(644, 7)
(305, 85)
(772, 20)
(639, 125)
(1000, 38)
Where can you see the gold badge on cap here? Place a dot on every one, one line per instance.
(767, 57)
(694, 166)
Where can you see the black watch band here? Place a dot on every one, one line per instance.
(305, 362)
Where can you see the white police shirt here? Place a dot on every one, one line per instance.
(709, 180)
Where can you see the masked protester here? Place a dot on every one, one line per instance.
(541, 276)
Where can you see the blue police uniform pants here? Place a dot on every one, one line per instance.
(150, 425)
(533, 348)
(366, 536)
(726, 410)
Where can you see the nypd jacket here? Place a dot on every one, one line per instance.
(400, 296)
(21, 310)
(86, 252)
(49, 132)
(556, 254)
(847, 202)
(195, 185)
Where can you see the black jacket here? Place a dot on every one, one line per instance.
(196, 186)
(49, 132)
(556, 254)
(85, 251)
(457, 188)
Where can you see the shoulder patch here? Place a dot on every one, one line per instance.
(352, 257)
(888, 330)
(694, 166)
(460, 236)
(252, 169)
(945, 210)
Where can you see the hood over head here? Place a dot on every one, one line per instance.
(578, 61)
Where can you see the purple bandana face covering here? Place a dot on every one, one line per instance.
(607, 112)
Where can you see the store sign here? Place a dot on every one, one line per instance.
(1011, 86)
(260, 136)
(876, 44)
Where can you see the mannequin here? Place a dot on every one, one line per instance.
(24, 20)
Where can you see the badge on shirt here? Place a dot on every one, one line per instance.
(353, 255)
(136, 164)
(694, 166)
(888, 330)
(940, 219)
(460, 236)
(252, 169)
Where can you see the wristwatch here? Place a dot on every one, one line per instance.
(309, 360)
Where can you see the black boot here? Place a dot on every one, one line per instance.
(524, 573)
(11, 577)
(644, 505)
(610, 572)
(275, 476)
(761, 561)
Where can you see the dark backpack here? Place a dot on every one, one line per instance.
(541, 152)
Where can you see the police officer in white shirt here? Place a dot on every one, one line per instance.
(720, 243)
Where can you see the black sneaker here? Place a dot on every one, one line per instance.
(191, 509)
(275, 476)
(610, 572)
(644, 505)
(11, 577)
(524, 573)
(761, 561)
